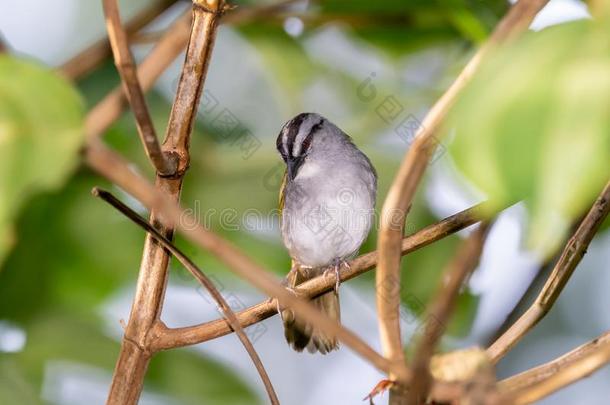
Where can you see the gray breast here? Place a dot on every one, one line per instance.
(329, 208)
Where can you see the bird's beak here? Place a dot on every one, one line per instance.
(293, 166)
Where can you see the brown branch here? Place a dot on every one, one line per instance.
(591, 358)
(441, 309)
(146, 37)
(573, 252)
(162, 55)
(178, 337)
(403, 188)
(135, 355)
(87, 60)
(123, 59)
(114, 168)
(538, 374)
(203, 280)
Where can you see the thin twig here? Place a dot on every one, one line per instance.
(178, 337)
(409, 175)
(538, 374)
(573, 252)
(123, 59)
(203, 280)
(87, 60)
(585, 365)
(441, 309)
(128, 377)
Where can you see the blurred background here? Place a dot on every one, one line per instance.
(374, 69)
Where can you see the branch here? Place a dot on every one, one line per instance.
(87, 60)
(178, 337)
(538, 374)
(203, 280)
(135, 354)
(582, 366)
(403, 188)
(123, 59)
(168, 48)
(573, 252)
(104, 113)
(441, 309)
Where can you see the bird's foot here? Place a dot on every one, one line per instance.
(335, 268)
(279, 308)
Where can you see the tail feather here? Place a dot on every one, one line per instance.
(300, 334)
(328, 304)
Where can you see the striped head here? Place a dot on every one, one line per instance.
(295, 140)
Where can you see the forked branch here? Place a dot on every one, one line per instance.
(572, 254)
(135, 354)
(107, 111)
(167, 49)
(203, 280)
(531, 377)
(581, 367)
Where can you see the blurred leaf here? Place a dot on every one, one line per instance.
(74, 251)
(41, 119)
(72, 338)
(534, 125)
(285, 58)
(194, 379)
(62, 335)
(14, 388)
(96, 85)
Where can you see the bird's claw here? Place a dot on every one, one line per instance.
(277, 302)
(336, 267)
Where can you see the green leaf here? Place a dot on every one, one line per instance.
(41, 121)
(533, 125)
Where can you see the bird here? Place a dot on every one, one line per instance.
(327, 206)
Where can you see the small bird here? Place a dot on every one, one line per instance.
(327, 203)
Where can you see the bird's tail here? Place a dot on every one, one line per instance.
(300, 334)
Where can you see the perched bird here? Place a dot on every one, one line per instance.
(327, 203)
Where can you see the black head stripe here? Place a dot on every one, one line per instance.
(307, 141)
(293, 130)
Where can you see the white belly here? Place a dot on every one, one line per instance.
(332, 225)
